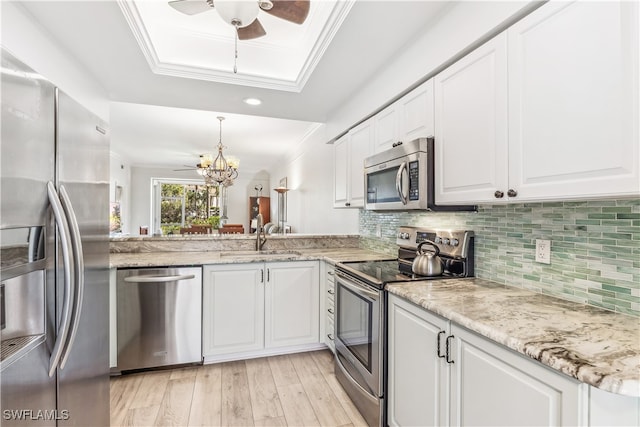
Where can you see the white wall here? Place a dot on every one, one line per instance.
(237, 201)
(34, 46)
(309, 173)
(120, 176)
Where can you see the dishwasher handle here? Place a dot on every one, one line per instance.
(152, 278)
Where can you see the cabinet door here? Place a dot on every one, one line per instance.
(573, 101)
(417, 377)
(471, 126)
(491, 385)
(360, 147)
(416, 113)
(341, 172)
(292, 303)
(233, 308)
(386, 128)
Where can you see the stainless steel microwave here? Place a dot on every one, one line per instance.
(402, 178)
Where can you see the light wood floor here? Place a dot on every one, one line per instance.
(294, 390)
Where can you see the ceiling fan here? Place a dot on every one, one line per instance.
(243, 14)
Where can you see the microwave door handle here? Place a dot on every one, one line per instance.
(399, 189)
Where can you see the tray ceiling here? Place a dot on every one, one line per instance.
(202, 46)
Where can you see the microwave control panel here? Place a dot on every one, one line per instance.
(414, 189)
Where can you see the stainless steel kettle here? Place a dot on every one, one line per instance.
(427, 263)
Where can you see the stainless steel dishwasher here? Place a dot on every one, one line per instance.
(159, 316)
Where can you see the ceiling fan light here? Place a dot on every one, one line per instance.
(244, 12)
(265, 4)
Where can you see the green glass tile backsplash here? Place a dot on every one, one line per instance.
(595, 246)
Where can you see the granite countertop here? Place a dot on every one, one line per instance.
(153, 259)
(595, 346)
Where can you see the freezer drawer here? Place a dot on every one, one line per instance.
(159, 317)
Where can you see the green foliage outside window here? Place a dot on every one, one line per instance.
(182, 205)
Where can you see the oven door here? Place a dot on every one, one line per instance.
(359, 327)
(397, 184)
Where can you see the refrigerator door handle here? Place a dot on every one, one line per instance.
(78, 262)
(63, 230)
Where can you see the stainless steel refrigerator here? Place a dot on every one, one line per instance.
(54, 249)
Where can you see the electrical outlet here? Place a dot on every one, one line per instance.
(543, 251)
(378, 231)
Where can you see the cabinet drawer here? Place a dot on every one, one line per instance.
(331, 297)
(330, 329)
(330, 313)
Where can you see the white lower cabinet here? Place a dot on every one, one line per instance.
(249, 308)
(467, 379)
(418, 380)
(233, 308)
(492, 385)
(292, 304)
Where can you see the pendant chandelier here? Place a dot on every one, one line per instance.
(218, 171)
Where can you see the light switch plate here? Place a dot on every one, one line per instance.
(543, 251)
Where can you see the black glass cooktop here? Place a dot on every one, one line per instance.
(379, 273)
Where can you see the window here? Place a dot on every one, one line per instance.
(182, 203)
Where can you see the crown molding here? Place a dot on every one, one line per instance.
(157, 66)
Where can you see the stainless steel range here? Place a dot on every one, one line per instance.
(361, 310)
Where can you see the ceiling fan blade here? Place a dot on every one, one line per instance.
(251, 31)
(292, 11)
(191, 7)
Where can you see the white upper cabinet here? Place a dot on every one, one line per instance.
(408, 118)
(573, 101)
(471, 126)
(349, 154)
(416, 113)
(386, 128)
(547, 110)
(341, 172)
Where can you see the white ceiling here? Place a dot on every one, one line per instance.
(169, 120)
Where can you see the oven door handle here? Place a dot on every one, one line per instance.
(356, 286)
(399, 189)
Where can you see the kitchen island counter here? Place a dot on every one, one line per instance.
(595, 346)
(194, 258)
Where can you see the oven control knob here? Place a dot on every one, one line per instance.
(437, 240)
(404, 236)
(445, 240)
(454, 242)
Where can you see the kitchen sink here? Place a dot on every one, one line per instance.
(260, 254)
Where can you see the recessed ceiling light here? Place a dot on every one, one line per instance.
(252, 101)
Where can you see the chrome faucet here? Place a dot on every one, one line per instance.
(260, 229)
